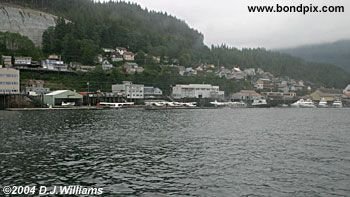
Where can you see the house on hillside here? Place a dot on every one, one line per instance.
(116, 57)
(128, 56)
(249, 72)
(121, 50)
(132, 68)
(7, 61)
(23, 61)
(108, 50)
(54, 62)
(264, 83)
(106, 65)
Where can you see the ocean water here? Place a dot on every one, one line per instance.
(204, 152)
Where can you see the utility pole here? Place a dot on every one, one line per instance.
(88, 93)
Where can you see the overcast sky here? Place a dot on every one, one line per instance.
(228, 21)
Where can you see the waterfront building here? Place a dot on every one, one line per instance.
(129, 90)
(152, 92)
(246, 95)
(59, 97)
(326, 93)
(197, 91)
(36, 87)
(9, 81)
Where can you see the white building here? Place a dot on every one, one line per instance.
(152, 92)
(129, 90)
(9, 81)
(23, 61)
(129, 56)
(197, 91)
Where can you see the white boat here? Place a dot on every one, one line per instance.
(337, 104)
(193, 104)
(170, 105)
(218, 104)
(259, 103)
(323, 103)
(240, 104)
(304, 104)
(116, 105)
(68, 103)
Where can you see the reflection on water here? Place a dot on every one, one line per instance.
(227, 152)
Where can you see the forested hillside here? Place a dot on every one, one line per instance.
(337, 53)
(107, 25)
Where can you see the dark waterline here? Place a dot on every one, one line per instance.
(223, 152)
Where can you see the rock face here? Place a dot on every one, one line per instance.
(26, 22)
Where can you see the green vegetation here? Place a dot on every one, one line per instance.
(14, 44)
(94, 26)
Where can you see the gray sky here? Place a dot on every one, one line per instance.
(228, 21)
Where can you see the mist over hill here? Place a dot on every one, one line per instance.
(337, 53)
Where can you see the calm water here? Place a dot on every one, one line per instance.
(219, 152)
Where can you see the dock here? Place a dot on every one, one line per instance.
(55, 108)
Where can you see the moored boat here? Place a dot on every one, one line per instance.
(154, 105)
(230, 104)
(260, 103)
(337, 104)
(304, 104)
(323, 103)
(67, 104)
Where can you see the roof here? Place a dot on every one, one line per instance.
(247, 93)
(130, 64)
(329, 91)
(64, 94)
(347, 88)
(196, 86)
(128, 53)
(57, 92)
